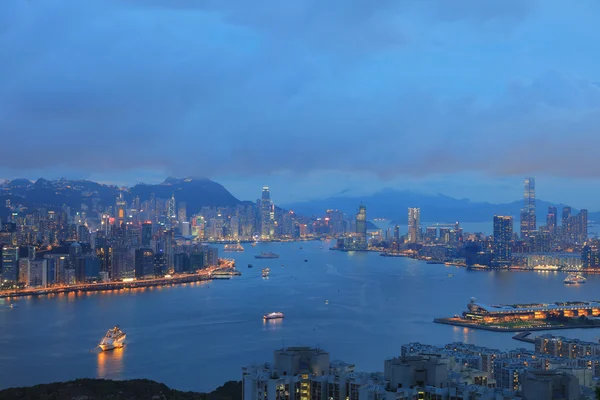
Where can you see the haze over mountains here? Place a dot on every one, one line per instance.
(199, 192)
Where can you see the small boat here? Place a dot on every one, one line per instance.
(267, 255)
(326, 301)
(273, 315)
(265, 272)
(250, 265)
(300, 248)
(253, 244)
(450, 275)
(305, 260)
(12, 305)
(113, 339)
(574, 279)
(233, 247)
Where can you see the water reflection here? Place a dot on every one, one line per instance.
(110, 363)
(272, 324)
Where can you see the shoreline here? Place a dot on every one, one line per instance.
(108, 286)
(450, 321)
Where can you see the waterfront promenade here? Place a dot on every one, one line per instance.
(225, 268)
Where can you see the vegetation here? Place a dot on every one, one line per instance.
(102, 389)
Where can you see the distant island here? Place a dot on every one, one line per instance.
(103, 389)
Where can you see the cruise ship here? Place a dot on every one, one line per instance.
(267, 255)
(265, 272)
(233, 247)
(114, 339)
(273, 315)
(574, 279)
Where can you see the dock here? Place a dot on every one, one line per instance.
(524, 337)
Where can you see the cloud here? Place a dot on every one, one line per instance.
(234, 87)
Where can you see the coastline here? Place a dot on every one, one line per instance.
(451, 321)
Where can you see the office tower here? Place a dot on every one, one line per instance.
(265, 214)
(361, 221)
(431, 234)
(144, 263)
(503, 231)
(234, 226)
(83, 234)
(171, 208)
(10, 264)
(122, 263)
(528, 220)
(582, 233)
(397, 234)
(414, 224)
(565, 219)
(182, 212)
(121, 208)
(185, 229)
(551, 220)
(147, 235)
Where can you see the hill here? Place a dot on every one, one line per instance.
(393, 204)
(102, 389)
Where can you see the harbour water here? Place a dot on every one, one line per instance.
(359, 306)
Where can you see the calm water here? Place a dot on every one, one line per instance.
(197, 336)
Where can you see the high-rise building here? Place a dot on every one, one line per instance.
(503, 231)
(171, 208)
(121, 208)
(528, 219)
(265, 214)
(551, 220)
(414, 224)
(582, 233)
(182, 212)
(144, 263)
(147, 235)
(10, 264)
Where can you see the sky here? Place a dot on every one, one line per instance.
(312, 98)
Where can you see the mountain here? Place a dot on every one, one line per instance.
(195, 192)
(53, 194)
(393, 204)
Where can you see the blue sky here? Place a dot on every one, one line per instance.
(461, 97)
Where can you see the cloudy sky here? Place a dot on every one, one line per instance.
(314, 98)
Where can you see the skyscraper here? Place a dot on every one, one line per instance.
(265, 213)
(147, 234)
(503, 230)
(361, 227)
(551, 220)
(121, 206)
(528, 222)
(414, 224)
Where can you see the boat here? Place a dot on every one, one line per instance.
(233, 247)
(267, 255)
(113, 339)
(12, 305)
(450, 275)
(221, 277)
(574, 279)
(305, 260)
(326, 301)
(273, 315)
(265, 272)
(253, 244)
(250, 265)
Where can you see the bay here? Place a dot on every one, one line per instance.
(197, 336)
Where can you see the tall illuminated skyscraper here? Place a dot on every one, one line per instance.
(361, 228)
(503, 230)
(528, 221)
(414, 224)
(121, 208)
(267, 214)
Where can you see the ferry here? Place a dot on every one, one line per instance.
(114, 339)
(273, 315)
(574, 279)
(267, 255)
(233, 247)
(265, 272)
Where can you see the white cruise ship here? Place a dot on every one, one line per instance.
(574, 279)
(273, 315)
(114, 338)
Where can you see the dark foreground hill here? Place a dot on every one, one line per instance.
(102, 389)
